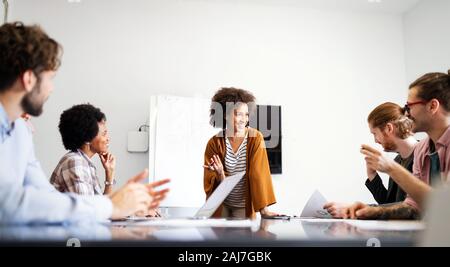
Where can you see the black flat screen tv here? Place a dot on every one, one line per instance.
(268, 122)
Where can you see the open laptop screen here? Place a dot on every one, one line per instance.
(219, 195)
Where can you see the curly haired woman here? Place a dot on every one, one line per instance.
(237, 148)
(84, 133)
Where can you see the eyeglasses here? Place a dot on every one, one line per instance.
(408, 105)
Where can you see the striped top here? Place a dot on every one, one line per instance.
(234, 163)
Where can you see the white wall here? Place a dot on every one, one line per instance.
(427, 38)
(327, 69)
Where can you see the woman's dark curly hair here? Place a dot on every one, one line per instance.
(232, 96)
(25, 48)
(79, 125)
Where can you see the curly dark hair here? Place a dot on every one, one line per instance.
(79, 124)
(434, 85)
(229, 95)
(25, 48)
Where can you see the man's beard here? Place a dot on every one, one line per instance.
(390, 147)
(30, 102)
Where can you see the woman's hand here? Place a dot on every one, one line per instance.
(215, 164)
(109, 162)
(266, 213)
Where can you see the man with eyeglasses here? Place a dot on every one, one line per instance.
(428, 106)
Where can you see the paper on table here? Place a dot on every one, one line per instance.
(314, 207)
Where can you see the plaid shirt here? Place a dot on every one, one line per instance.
(76, 173)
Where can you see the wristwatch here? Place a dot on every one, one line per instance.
(110, 183)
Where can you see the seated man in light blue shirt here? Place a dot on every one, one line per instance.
(29, 59)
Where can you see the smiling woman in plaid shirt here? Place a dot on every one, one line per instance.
(84, 132)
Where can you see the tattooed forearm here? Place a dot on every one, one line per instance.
(399, 211)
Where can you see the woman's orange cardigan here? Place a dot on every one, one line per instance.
(259, 192)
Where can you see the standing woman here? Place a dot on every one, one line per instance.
(237, 148)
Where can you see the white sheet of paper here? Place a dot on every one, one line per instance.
(314, 207)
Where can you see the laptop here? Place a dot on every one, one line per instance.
(211, 204)
(218, 196)
(437, 219)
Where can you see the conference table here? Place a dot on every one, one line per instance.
(179, 232)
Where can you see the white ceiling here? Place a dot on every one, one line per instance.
(370, 6)
(383, 6)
